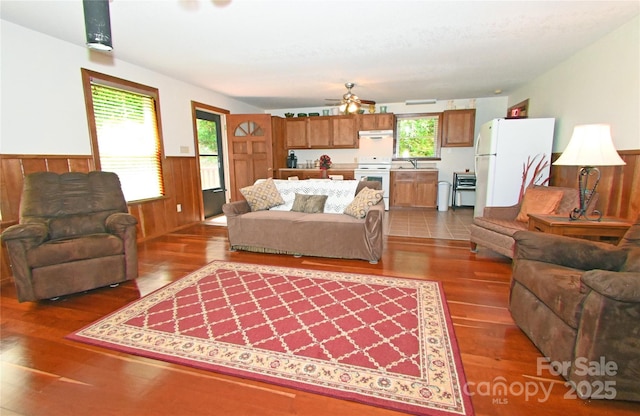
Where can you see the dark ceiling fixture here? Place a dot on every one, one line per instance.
(97, 24)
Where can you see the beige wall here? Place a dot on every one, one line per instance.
(598, 84)
(43, 104)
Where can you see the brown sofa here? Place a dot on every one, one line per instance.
(578, 301)
(75, 234)
(305, 234)
(495, 229)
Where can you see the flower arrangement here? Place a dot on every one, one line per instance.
(325, 162)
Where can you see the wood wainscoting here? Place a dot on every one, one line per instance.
(616, 196)
(155, 216)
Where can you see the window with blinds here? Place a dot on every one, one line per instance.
(126, 136)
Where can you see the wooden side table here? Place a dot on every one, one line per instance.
(608, 230)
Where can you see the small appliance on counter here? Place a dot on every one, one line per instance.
(292, 160)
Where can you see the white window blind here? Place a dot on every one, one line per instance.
(128, 140)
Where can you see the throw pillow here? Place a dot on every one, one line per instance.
(539, 201)
(310, 204)
(361, 204)
(263, 195)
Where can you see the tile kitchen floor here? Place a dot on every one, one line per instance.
(450, 225)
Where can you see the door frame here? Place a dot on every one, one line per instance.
(221, 112)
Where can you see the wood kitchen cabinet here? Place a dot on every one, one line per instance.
(458, 128)
(381, 121)
(321, 132)
(414, 188)
(296, 133)
(344, 130)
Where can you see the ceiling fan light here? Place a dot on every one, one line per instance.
(353, 107)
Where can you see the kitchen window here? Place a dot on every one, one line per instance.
(417, 136)
(125, 133)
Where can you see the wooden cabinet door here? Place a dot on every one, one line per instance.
(402, 189)
(344, 132)
(426, 191)
(368, 122)
(377, 121)
(296, 133)
(386, 121)
(458, 128)
(319, 132)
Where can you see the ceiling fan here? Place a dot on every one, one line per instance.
(351, 103)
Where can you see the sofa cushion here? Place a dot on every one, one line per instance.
(262, 195)
(74, 249)
(339, 193)
(361, 204)
(506, 227)
(310, 204)
(539, 201)
(80, 224)
(558, 287)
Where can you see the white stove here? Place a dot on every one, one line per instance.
(375, 168)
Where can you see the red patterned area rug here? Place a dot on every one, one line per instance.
(378, 340)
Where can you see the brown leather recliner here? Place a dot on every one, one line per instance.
(75, 234)
(579, 302)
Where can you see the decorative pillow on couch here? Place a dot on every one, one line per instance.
(310, 204)
(262, 195)
(361, 204)
(539, 201)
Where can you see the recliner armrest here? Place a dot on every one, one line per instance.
(118, 222)
(502, 213)
(620, 286)
(568, 251)
(34, 233)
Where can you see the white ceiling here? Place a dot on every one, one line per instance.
(286, 54)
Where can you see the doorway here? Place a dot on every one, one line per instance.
(211, 158)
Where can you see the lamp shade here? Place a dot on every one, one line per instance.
(97, 24)
(590, 145)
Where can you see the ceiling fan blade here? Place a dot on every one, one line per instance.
(368, 102)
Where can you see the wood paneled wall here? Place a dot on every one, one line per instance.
(155, 216)
(619, 187)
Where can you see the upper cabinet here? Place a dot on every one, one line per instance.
(295, 133)
(458, 128)
(321, 132)
(381, 121)
(344, 131)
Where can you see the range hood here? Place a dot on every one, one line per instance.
(375, 134)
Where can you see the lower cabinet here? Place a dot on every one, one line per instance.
(414, 189)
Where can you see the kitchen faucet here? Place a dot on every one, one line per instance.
(414, 162)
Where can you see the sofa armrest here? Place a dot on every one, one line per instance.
(233, 209)
(502, 213)
(568, 251)
(620, 286)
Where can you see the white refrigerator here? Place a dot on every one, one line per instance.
(504, 149)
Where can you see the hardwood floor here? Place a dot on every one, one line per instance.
(44, 374)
